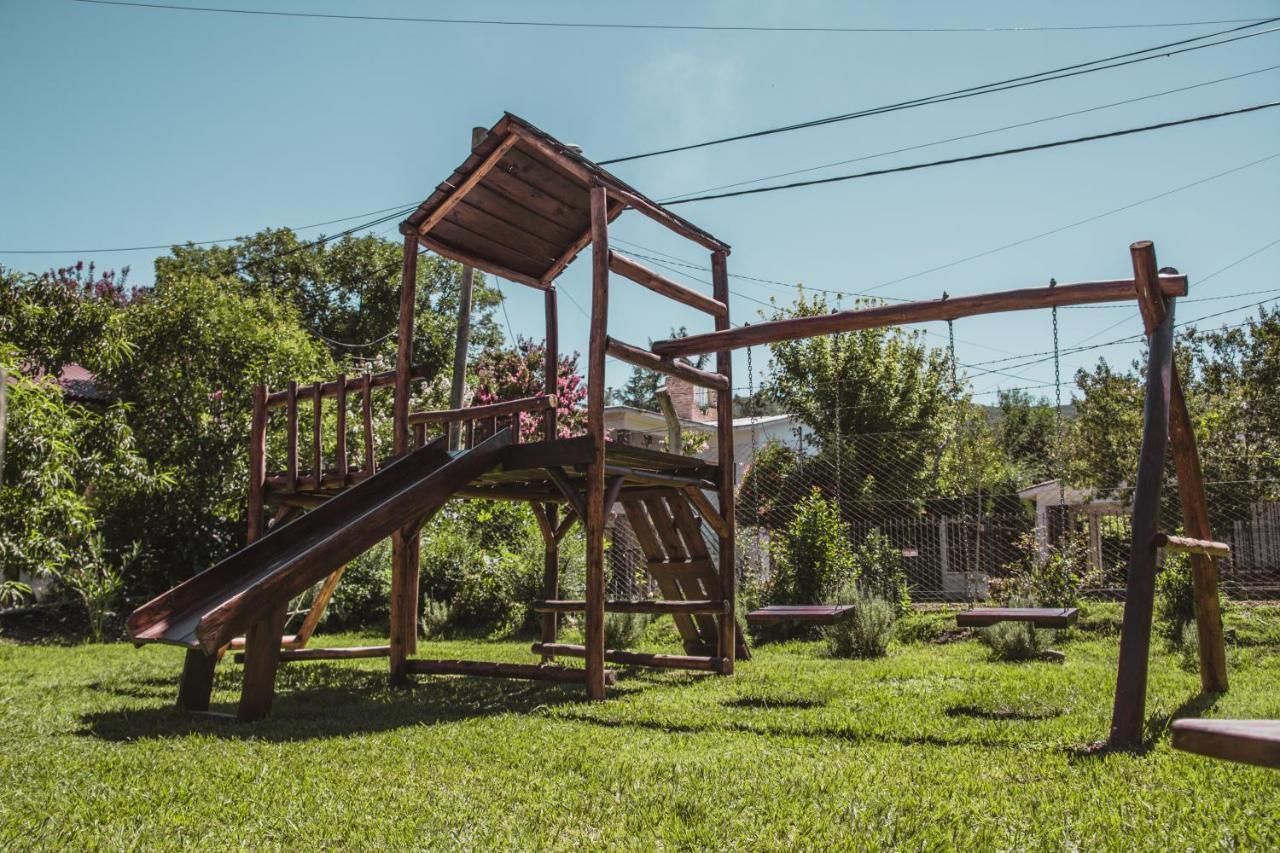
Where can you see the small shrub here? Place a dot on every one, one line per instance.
(813, 557)
(1189, 648)
(363, 596)
(921, 627)
(1053, 579)
(867, 633)
(1016, 641)
(435, 616)
(624, 630)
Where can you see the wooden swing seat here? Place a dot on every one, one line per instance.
(817, 614)
(1041, 617)
(1247, 741)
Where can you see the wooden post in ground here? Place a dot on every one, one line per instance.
(550, 427)
(1128, 714)
(595, 428)
(404, 572)
(1191, 493)
(261, 659)
(724, 456)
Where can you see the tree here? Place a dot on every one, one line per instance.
(1107, 429)
(64, 316)
(1026, 431)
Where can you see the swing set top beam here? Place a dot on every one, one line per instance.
(947, 308)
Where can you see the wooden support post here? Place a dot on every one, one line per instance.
(366, 417)
(1191, 493)
(595, 428)
(291, 440)
(257, 463)
(458, 387)
(196, 686)
(1135, 633)
(317, 440)
(724, 456)
(261, 660)
(404, 570)
(340, 451)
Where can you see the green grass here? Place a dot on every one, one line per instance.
(932, 747)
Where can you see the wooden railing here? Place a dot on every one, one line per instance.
(479, 422)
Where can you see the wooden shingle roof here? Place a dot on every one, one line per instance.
(518, 206)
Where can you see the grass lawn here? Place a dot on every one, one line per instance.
(934, 746)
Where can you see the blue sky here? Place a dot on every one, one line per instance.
(128, 126)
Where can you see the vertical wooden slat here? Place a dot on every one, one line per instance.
(471, 433)
(724, 456)
(515, 427)
(340, 450)
(551, 366)
(419, 435)
(550, 384)
(1135, 633)
(317, 439)
(647, 537)
(257, 462)
(291, 417)
(404, 580)
(366, 413)
(595, 428)
(1195, 510)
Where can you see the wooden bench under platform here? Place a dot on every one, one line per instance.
(1246, 741)
(1041, 617)
(815, 614)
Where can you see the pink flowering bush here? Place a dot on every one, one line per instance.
(510, 374)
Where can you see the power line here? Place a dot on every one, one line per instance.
(1161, 51)
(1112, 134)
(987, 132)
(493, 22)
(399, 208)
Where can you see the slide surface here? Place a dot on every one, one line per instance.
(208, 610)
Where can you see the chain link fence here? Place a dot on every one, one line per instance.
(941, 500)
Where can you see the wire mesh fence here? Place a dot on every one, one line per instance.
(955, 514)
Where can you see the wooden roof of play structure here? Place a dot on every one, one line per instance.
(519, 206)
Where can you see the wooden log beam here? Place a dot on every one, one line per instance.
(568, 489)
(1128, 712)
(708, 512)
(1191, 492)
(262, 657)
(593, 513)
(503, 409)
(661, 607)
(1187, 545)
(477, 175)
(339, 653)
(489, 669)
(658, 283)
(340, 450)
(615, 210)
(196, 686)
(728, 626)
(695, 662)
(632, 354)
(667, 219)
(1085, 293)
(473, 260)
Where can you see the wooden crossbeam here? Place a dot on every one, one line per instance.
(645, 277)
(660, 606)
(1187, 545)
(632, 354)
(706, 663)
(491, 669)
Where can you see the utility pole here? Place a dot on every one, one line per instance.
(459, 386)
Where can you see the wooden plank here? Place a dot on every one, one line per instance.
(472, 259)
(1254, 742)
(528, 208)
(708, 512)
(952, 308)
(658, 283)
(489, 669)
(338, 653)
(262, 657)
(704, 584)
(728, 638)
(594, 517)
(653, 478)
(818, 614)
(1135, 633)
(476, 176)
(481, 245)
(318, 605)
(632, 354)
(694, 662)
(340, 451)
(1187, 545)
(1041, 617)
(528, 243)
(1191, 491)
(667, 607)
(647, 537)
(547, 170)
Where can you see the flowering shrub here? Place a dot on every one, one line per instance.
(510, 374)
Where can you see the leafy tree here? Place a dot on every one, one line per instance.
(64, 316)
(813, 557)
(1107, 429)
(1026, 434)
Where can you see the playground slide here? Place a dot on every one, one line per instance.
(208, 610)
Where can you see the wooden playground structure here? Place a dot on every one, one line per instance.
(522, 206)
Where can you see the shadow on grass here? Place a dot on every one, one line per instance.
(975, 712)
(774, 702)
(322, 700)
(1157, 725)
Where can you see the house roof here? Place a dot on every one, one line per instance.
(519, 206)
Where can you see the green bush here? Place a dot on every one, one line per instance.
(866, 634)
(813, 557)
(1175, 599)
(435, 616)
(877, 567)
(1053, 579)
(363, 597)
(922, 627)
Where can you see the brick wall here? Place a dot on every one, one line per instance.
(692, 403)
